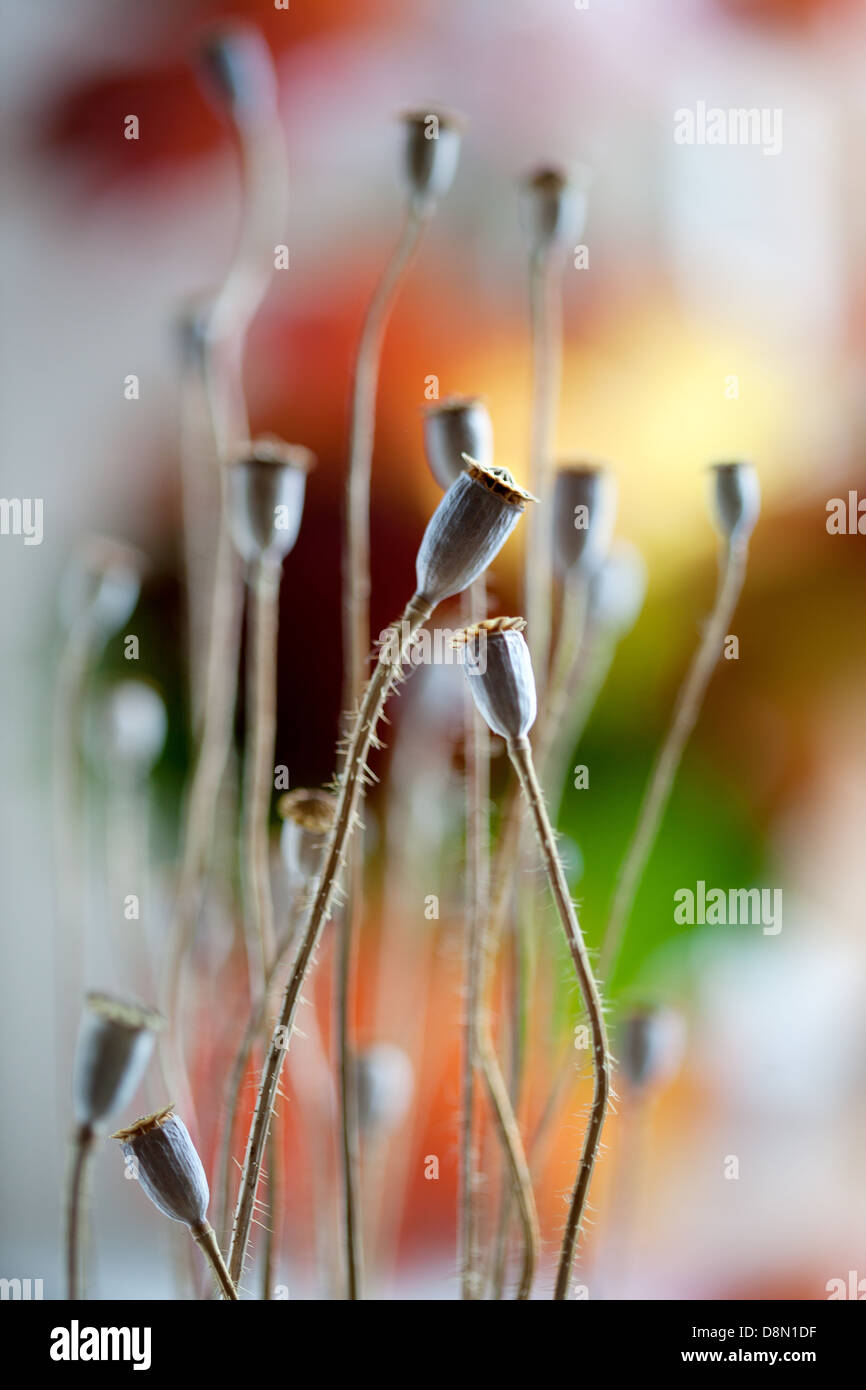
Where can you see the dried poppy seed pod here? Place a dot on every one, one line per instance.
(237, 72)
(553, 208)
(266, 489)
(651, 1046)
(430, 153)
(618, 589)
(735, 502)
(584, 513)
(133, 725)
(115, 1041)
(385, 1081)
(165, 1162)
(103, 585)
(457, 426)
(308, 816)
(467, 530)
(499, 670)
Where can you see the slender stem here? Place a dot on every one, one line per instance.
(356, 648)
(545, 307)
(270, 1237)
(477, 788)
(348, 932)
(264, 589)
(207, 1242)
(82, 1147)
(262, 160)
(521, 756)
(683, 720)
(211, 759)
(350, 789)
(254, 1026)
(509, 1134)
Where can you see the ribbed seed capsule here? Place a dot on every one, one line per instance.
(467, 530)
(308, 815)
(553, 208)
(584, 513)
(735, 501)
(499, 670)
(458, 425)
(430, 154)
(165, 1162)
(115, 1042)
(385, 1082)
(651, 1046)
(266, 499)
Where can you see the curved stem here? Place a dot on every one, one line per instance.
(521, 756)
(82, 1145)
(356, 647)
(349, 794)
(683, 720)
(207, 1242)
(509, 1134)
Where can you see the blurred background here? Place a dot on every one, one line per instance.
(722, 314)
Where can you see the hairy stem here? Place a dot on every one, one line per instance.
(205, 1239)
(350, 789)
(356, 648)
(683, 720)
(521, 756)
(82, 1147)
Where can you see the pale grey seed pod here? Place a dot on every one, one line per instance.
(385, 1082)
(553, 208)
(618, 589)
(499, 670)
(164, 1160)
(651, 1046)
(735, 499)
(584, 514)
(115, 1042)
(133, 727)
(266, 487)
(467, 530)
(237, 73)
(456, 426)
(102, 585)
(431, 150)
(308, 817)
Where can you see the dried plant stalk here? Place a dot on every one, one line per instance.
(356, 648)
(351, 782)
(521, 756)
